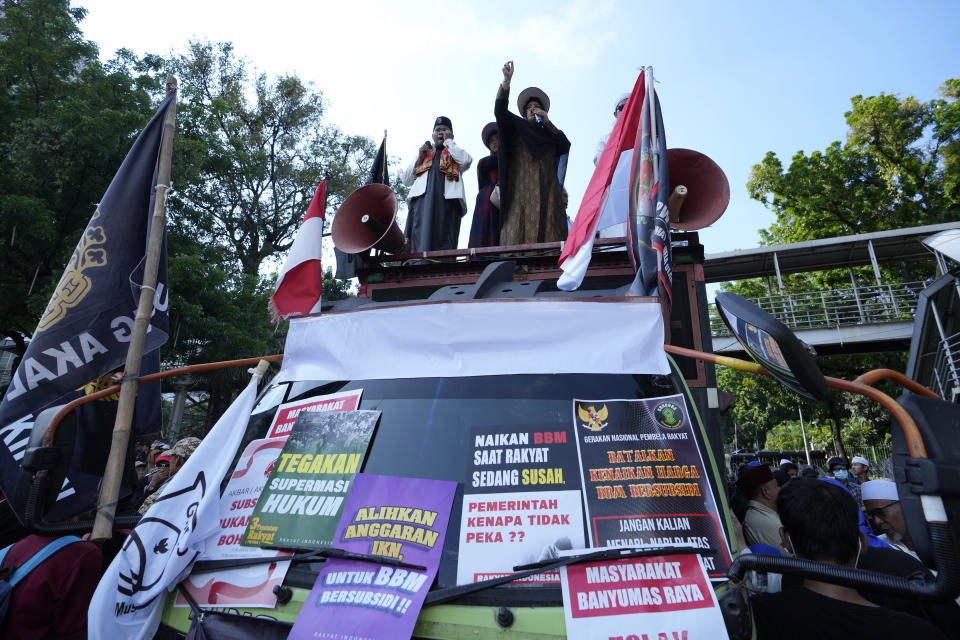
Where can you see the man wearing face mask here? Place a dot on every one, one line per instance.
(840, 471)
(820, 523)
(436, 200)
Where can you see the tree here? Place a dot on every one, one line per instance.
(898, 168)
(250, 153)
(66, 123)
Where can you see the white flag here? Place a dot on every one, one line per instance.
(160, 551)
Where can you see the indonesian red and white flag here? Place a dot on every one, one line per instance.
(300, 284)
(607, 199)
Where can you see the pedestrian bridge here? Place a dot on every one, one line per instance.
(858, 318)
(848, 320)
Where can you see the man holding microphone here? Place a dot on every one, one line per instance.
(436, 200)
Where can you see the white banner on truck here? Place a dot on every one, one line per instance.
(477, 338)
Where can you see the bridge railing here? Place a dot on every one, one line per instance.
(837, 307)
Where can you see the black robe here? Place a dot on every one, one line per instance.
(485, 228)
(433, 221)
(532, 161)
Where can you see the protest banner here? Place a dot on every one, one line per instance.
(250, 586)
(401, 518)
(652, 598)
(643, 478)
(286, 415)
(522, 502)
(304, 496)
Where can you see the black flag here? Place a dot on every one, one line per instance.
(86, 328)
(347, 263)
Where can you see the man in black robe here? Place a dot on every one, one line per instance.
(436, 201)
(533, 163)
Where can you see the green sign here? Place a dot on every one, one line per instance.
(303, 498)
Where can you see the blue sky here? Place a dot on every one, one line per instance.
(735, 79)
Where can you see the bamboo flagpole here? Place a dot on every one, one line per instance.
(113, 474)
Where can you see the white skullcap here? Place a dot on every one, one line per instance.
(861, 460)
(784, 461)
(879, 490)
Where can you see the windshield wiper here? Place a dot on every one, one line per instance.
(440, 596)
(206, 566)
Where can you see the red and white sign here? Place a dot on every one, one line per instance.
(250, 586)
(501, 530)
(287, 413)
(651, 598)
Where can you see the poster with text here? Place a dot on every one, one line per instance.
(644, 481)
(301, 503)
(521, 503)
(250, 586)
(654, 598)
(286, 415)
(401, 518)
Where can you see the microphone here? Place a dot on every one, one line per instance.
(538, 119)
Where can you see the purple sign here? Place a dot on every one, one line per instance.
(400, 518)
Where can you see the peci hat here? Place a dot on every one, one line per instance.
(489, 129)
(879, 490)
(753, 478)
(860, 460)
(532, 93)
(443, 120)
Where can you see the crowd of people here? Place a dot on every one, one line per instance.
(841, 517)
(521, 198)
(51, 600)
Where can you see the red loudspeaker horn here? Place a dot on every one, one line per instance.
(366, 220)
(708, 192)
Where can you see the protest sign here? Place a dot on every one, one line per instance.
(644, 480)
(401, 518)
(653, 598)
(522, 502)
(304, 495)
(250, 586)
(286, 415)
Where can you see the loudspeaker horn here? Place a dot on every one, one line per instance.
(707, 190)
(367, 220)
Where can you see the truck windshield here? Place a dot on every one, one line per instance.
(427, 425)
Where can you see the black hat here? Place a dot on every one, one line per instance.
(532, 93)
(443, 120)
(489, 129)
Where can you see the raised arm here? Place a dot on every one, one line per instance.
(503, 92)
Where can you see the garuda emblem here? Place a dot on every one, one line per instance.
(592, 418)
(75, 284)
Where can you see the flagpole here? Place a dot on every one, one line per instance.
(113, 474)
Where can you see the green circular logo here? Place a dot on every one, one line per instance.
(669, 415)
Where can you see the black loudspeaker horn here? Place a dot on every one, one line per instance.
(707, 190)
(367, 220)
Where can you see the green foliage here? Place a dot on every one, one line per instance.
(334, 289)
(250, 153)
(66, 123)
(788, 436)
(898, 168)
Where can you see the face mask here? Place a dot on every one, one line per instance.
(840, 474)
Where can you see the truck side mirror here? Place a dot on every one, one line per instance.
(772, 345)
